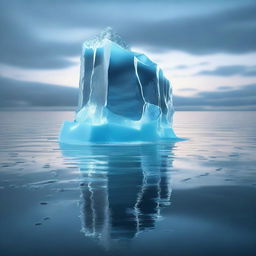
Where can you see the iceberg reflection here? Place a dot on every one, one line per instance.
(123, 188)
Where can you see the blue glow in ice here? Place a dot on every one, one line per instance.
(123, 97)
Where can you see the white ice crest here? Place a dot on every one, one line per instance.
(107, 34)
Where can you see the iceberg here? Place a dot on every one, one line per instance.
(123, 96)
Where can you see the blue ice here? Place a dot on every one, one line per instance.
(123, 96)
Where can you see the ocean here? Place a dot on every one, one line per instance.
(191, 197)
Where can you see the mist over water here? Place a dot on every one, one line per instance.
(184, 198)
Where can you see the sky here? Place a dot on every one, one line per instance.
(206, 48)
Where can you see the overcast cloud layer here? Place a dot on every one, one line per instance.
(42, 34)
(47, 34)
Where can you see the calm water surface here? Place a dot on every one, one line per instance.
(195, 197)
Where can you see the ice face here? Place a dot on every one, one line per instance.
(123, 96)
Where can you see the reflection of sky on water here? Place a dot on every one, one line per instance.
(122, 194)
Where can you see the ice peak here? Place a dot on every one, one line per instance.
(109, 34)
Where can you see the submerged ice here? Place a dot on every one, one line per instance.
(123, 96)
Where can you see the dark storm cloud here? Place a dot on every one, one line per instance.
(15, 93)
(230, 31)
(230, 71)
(22, 22)
(20, 47)
(243, 96)
(29, 38)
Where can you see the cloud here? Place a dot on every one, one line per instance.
(30, 34)
(188, 89)
(181, 67)
(230, 71)
(245, 96)
(225, 87)
(20, 47)
(43, 34)
(15, 93)
(230, 31)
